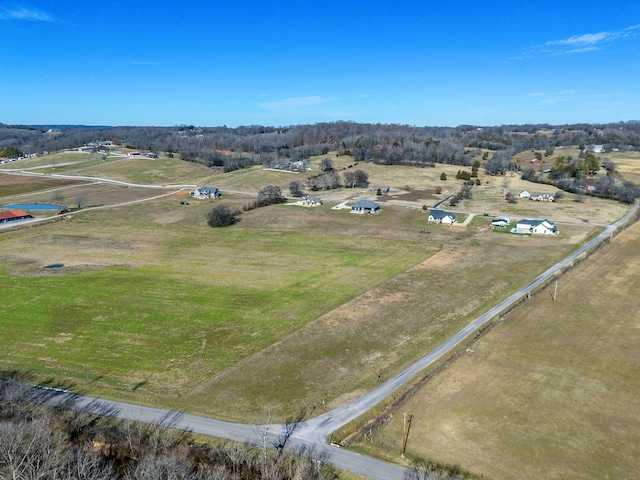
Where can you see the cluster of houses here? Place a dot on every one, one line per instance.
(540, 197)
(138, 154)
(299, 166)
(95, 147)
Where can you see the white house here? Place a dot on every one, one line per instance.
(525, 194)
(542, 197)
(440, 216)
(206, 192)
(537, 227)
(309, 201)
(301, 165)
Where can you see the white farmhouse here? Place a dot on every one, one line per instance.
(309, 201)
(440, 216)
(536, 227)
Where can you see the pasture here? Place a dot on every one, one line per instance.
(152, 296)
(13, 185)
(290, 307)
(552, 392)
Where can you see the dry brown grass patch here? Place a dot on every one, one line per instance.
(551, 392)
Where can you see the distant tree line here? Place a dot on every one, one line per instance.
(390, 144)
(577, 175)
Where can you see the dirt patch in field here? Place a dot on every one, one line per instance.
(415, 196)
(168, 217)
(87, 243)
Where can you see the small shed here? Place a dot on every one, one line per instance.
(500, 222)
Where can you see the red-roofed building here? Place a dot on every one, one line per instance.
(14, 216)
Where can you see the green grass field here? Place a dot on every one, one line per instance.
(174, 303)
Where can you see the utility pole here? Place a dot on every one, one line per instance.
(555, 292)
(404, 434)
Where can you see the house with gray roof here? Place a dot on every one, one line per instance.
(528, 226)
(206, 192)
(440, 216)
(365, 206)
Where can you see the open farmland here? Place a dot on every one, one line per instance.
(169, 300)
(150, 171)
(42, 162)
(628, 164)
(550, 393)
(290, 307)
(14, 185)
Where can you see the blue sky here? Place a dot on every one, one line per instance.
(208, 63)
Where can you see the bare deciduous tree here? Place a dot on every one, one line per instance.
(81, 199)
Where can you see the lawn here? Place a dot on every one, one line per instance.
(552, 392)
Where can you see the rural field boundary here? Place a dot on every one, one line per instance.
(41, 222)
(372, 424)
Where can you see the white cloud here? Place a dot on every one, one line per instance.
(29, 14)
(295, 103)
(580, 43)
(552, 98)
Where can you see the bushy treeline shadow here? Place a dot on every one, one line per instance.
(429, 470)
(49, 433)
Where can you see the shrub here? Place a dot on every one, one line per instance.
(511, 197)
(221, 216)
